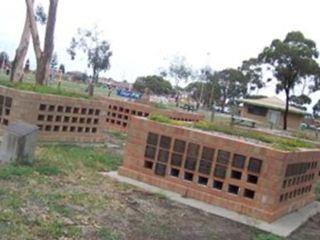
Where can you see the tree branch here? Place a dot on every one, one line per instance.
(34, 29)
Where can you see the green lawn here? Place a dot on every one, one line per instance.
(67, 88)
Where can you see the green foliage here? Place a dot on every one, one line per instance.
(54, 61)
(316, 109)
(291, 61)
(106, 234)
(41, 89)
(62, 68)
(160, 118)
(179, 70)
(98, 51)
(156, 84)
(4, 59)
(219, 87)
(232, 85)
(318, 192)
(267, 237)
(299, 101)
(252, 70)
(41, 15)
(164, 119)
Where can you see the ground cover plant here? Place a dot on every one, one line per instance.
(282, 143)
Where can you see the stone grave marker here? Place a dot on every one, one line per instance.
(19, 143)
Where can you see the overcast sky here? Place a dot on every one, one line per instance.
(145, 34)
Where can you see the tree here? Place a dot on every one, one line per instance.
(4, 60)
(299, 101)
(62, 68)
(232, 84)
(98, 52)
(291, 61)
(156, 84)
(179, 71)
(54, 61)
(21, 52)
(252, 70)
(316, 109)
(43, 57)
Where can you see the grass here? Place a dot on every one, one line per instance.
(52, 198)
(93, 158)
(42, 89)
(282, 143)
(118, 135)
(68, 89)
(106, 234)
(267, 237)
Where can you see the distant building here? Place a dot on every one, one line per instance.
(271, 111)
(115, 84)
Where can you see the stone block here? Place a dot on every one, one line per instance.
(19, 143)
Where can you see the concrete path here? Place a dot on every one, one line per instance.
(282, 227)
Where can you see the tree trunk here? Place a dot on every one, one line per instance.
(285, 116)
(42, 73)
(91, 89)
(43, 57)
(21, 52)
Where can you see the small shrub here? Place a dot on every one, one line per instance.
(159, 118)
(318, 192)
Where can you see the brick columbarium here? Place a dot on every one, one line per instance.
(67, 119)
(19, 143)
(248, 177)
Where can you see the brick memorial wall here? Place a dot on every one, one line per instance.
(73, 119)
(248, 178)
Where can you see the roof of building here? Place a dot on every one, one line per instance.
(273, 103)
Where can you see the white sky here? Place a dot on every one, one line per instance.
(145, 34)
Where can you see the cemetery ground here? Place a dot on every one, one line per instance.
(67, 88)
(63, 195)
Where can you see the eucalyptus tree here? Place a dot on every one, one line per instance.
(98, 52)
(291, 60)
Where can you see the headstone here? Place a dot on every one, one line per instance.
(19, 143)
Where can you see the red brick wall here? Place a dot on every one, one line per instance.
(215, 168)
(73, 119)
